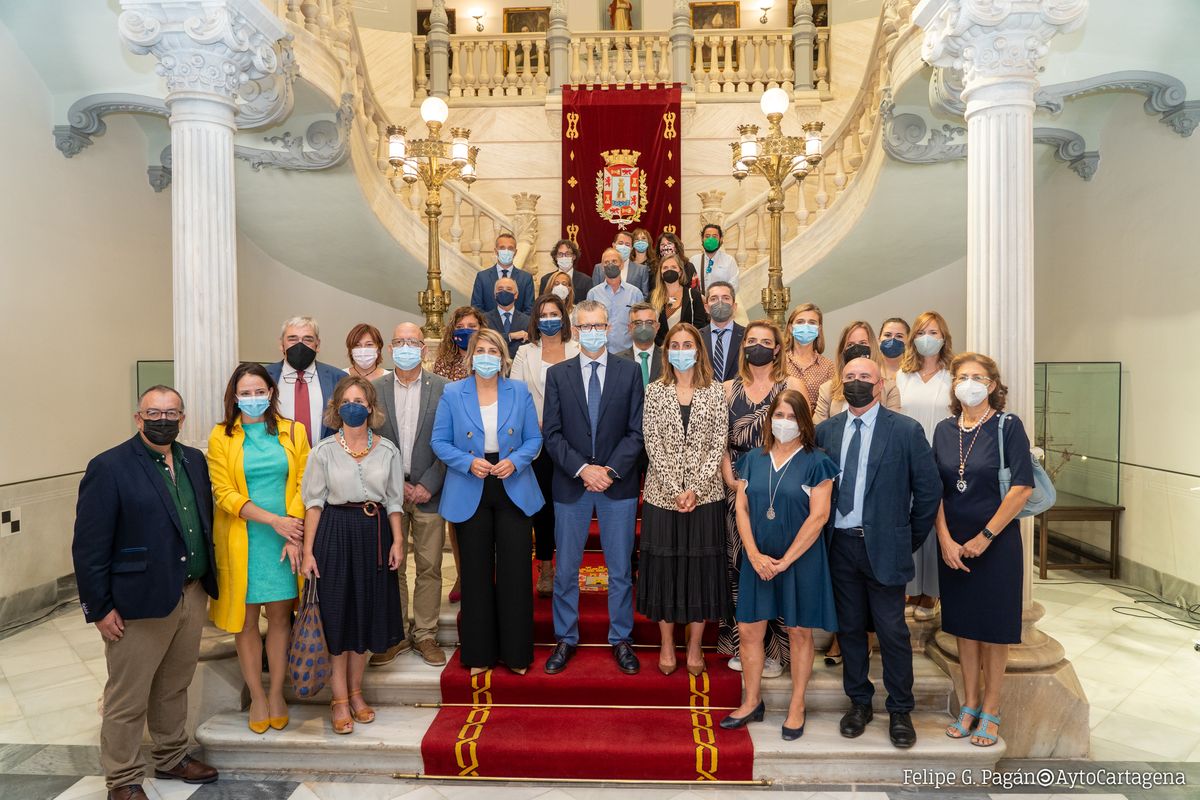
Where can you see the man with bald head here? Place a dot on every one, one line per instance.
(618, 297)
(507, 318)
(410, 398)
(885, 501)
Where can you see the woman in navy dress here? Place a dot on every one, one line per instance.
(782, 507)
(982, 562)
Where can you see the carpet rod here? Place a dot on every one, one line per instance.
(418, 776)
(568, 705)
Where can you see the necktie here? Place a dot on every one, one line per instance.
(507, 322)
(845, 502)
(503, 273)
(593, 398)
(302, 414)
(645, 357)
(719, 356)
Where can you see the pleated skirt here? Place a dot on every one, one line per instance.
(682, 572)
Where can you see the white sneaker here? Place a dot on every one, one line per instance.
(772, 668)
(735, 664)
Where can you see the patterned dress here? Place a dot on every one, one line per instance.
(454, 367)
(812, 376)
(746, 420)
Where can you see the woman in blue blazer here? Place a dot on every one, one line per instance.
(486, 432)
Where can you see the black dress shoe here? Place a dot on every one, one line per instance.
(733, 723)
(557, 661)
(901, 729)
(792, 734)
(854, 721)
(626, 660)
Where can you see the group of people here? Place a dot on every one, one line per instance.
(781, 491)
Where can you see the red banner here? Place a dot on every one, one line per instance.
(620, 165)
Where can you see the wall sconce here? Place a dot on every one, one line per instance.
(764, 7)
(477, 15)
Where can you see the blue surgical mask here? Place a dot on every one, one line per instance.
(253, 406)
(624, 250)
(805, 332)
(505, 257)
(462, 337)
(550, 326)
(486, 365)
(505, 298)
(593, 341)
(682, 359)
(353, 414)
(928, 345)
(892, 348)
(406, 356)
(641, 245)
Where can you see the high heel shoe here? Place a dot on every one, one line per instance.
(260, 727)
(665, 670)
(279, 723)
(366, 714)
(733, 723)
(697, 671)
(345, 726)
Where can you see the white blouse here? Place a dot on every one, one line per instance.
(928, 402)
(333, 478)
(489, 414)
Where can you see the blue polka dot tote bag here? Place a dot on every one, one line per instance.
(308, 658)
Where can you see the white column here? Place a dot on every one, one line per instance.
(998, 47)
(206, 51)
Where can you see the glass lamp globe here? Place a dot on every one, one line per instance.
(774, 101)
(434, 109)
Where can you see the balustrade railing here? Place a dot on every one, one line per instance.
(620, 58)
(512, 65)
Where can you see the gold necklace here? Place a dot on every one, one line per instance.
(341, 438)
(961, 483)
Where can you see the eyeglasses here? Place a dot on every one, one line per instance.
(308, 340)
(408, 342)
(599, 326)
(155, 414)
(980, 379)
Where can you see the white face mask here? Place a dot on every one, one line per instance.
(365, 357)
(785, 430)
(971, 393)
(565, 263)
(561, 292)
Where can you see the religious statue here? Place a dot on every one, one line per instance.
(620, 14)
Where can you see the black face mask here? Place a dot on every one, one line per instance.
(858, 393)
(300, 356)
(760, 355)
(670, 275)
(855, 351)
(160, 431)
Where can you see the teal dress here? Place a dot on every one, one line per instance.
(803, 594)
(266, 467)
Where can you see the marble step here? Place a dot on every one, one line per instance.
(392, 744)
(409, 680)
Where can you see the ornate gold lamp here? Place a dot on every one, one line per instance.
(775, 157)
(433, 161)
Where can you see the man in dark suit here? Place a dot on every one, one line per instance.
(885, 502)
(643, 327)
(305, 384)
(410, 397)
(722, 337)
(144, 565)
(592, 426)
(483, 293)
(566, 258)
(512, 324)
(633, 273)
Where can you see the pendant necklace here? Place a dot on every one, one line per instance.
(771, 490)
(961, 483)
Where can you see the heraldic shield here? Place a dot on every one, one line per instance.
(621, 193)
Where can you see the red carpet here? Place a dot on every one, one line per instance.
(564, 726)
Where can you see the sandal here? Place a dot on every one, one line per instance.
(960, 731)
(345, 726)
(366, 714)
(981, 733)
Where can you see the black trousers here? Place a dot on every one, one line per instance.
(860, 599)
(497, 582)
(543, 520)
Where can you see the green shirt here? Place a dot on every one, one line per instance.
(182, 494)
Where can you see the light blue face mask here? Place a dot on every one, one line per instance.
(641, 245)
(593, 341)
(486, 365)
(406, 356)
(624, 250)
(805, 332)
(682, 359)
(253, 406)
(505, 257)
(928, 345)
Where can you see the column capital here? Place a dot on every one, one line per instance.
(235, 50)
(994, 40)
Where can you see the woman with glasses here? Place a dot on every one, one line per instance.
(256, 462)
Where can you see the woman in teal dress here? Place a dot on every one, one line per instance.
(782, 507)
(256, 462)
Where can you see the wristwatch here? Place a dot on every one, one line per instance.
(987, 534)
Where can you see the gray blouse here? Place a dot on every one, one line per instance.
(333, 477)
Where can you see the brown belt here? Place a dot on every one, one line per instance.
(371, 509)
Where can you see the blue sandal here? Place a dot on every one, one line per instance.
(963, 732)
(981, 733)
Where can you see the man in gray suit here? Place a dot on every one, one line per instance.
(410, 398)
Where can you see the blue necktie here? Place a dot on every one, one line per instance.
(719, 356)
(845, 502)
(593, 398)
(507, 323)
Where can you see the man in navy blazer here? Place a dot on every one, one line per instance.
(592, 425)
(145, 568)
(483, 293)
(885, 502)
(305, 384)
(720, 301)
(507, 318)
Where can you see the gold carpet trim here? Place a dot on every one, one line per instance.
(702, 728)
(465, 748)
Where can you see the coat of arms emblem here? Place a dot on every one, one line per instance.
(621, 195)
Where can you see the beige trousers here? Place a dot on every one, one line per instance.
(149, 670)
(424, 537)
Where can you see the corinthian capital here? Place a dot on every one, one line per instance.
(231, 48)
(994, 38)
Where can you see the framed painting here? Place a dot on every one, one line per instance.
(715, 16)
(423, 21)
(527, 20)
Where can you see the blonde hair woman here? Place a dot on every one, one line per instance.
(675, 300)
(857, 341)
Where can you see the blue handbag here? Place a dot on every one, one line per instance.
(1044, 494)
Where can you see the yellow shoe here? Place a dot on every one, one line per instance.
(279, 723)
(259, 727)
